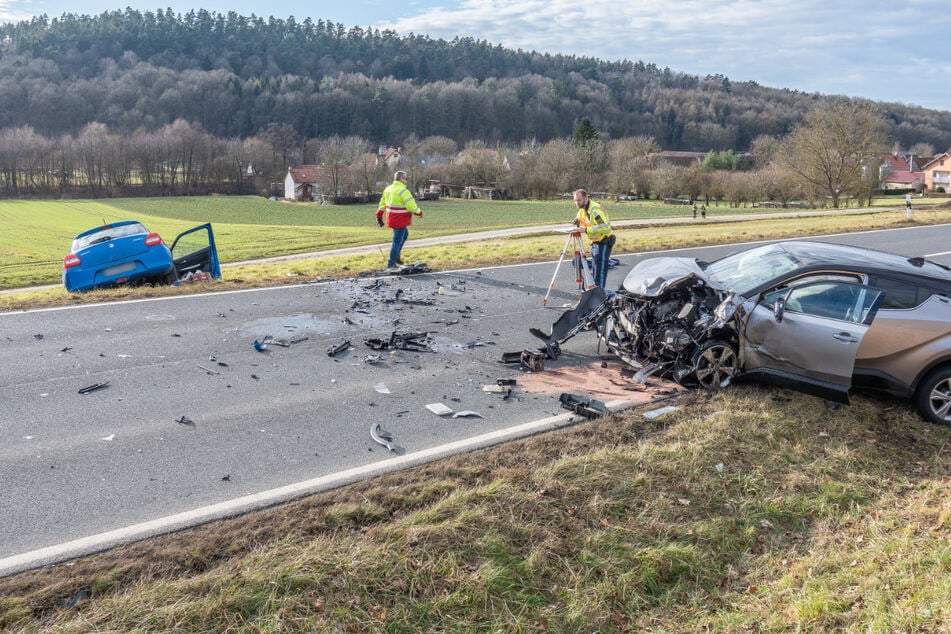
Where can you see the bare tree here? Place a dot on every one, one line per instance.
(828, 152)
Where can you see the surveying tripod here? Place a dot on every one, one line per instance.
(583, 275)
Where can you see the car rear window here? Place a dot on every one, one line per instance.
(106, 233)
(900, 295)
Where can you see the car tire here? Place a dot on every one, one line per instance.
(933, 396)
(715, 364)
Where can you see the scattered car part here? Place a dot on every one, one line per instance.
(504, 390)
(260, 347)
(381, 388)
(660, 411)
(93, 387)
(467, 413)
(381, 436)
(439, 409)
(583, 404)
(414, 341)
(334, 350)
(185, 420)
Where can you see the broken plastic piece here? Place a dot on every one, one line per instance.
(381, 388)
(260, 347)
(337, 349)
(467, 413)
(185, 420)
(439, 409)
(93, 387)
(583, 405)
(505, 381)
(533, 361)
(657, 413)
(382, 436)
(415, 341)
(373, 358)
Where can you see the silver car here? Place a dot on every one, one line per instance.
(813, 316)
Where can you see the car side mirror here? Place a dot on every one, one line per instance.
(779, 308)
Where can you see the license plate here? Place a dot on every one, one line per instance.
(119, 268)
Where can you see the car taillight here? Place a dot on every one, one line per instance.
(153, 239)
(71, 260)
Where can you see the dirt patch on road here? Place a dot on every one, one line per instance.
(605, 379)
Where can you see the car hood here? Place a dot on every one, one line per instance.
(655, 276)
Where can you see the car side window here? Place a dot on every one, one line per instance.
(769, 297)
(832, 300)
(901, 295)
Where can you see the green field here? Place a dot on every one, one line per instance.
(37, 234)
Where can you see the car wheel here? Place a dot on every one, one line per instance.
(715, 364)
(933, 398)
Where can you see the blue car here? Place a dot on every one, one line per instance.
(128, 253)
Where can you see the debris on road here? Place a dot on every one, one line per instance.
(439, 409)
(93, 387)
(583, 405)
(414, 341)
(381, 436)
(467, 413)
(185, 420)
(334, 350)
(381, 388)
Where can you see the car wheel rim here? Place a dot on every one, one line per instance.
(717, 364)
(940, 400)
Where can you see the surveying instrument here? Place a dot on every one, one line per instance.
(583, 275)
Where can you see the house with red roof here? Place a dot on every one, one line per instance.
(303, 183)
(899, 172)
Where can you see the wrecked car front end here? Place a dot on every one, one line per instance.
(670, 319)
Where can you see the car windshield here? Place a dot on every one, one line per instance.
(742, 272)
(106, 233)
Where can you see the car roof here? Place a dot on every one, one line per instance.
(816, 254)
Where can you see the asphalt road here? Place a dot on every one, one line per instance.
(75, 465)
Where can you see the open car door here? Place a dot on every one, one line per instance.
(194, 252)
(807, 339)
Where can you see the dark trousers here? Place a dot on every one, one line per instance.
(600, 254)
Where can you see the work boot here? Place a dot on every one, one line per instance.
(399, 261)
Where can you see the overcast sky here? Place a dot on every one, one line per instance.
(886, 51)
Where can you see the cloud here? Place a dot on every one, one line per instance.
(811, 45)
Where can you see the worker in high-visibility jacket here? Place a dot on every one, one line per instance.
(597, 226)
(396, 211)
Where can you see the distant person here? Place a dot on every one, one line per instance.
(597, 227)
(703, 211)
(908, 205)
(396, 211)
(695, 210)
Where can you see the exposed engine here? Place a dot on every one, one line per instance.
(663, 332)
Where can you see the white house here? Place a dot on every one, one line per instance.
(303, 183)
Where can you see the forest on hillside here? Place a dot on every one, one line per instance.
(234, 77)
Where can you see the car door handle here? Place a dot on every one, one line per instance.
(845, 337)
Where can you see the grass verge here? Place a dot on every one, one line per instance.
(746, 510)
